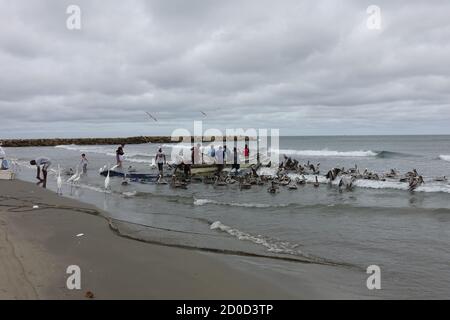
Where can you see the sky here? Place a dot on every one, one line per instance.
(305, 67)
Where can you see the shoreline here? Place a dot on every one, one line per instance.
(39, 245)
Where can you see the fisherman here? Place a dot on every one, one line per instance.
(246, 153)
(196, 157)
(84, 162)
(219, 159)
(160, 159)
(119, 156)
(226, 154)
(236, 163)
(212, 152)
(45, 163)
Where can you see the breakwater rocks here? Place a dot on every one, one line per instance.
(82, 141)
(100, 141)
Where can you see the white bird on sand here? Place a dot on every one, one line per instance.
(72, 178)
(59, 181)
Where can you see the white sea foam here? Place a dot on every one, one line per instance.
(201, 202)
(272, 245)
(263, 171)
(130, 194)
(444, 157)
(327, 153)
(129, 156)
(373, 184)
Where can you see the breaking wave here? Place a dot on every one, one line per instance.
(327, 153)
(272, 245)
(129, 156)
(201, 202)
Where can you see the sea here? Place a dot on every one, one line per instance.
(406, 234)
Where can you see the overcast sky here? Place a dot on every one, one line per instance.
(306, 67)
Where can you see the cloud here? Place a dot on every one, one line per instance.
(307, 67)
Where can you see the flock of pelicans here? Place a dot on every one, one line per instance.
(247, 178)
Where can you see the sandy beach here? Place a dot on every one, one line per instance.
(37, 245)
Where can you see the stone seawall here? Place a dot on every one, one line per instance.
(97, 141)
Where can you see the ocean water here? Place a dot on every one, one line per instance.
(407, 234)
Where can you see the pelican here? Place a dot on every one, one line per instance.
(415, 183)
(316, 184)
(219, 182)
(292, 186)
(59, 181)
(175, 183)
(272, 188)
(244, 184)
(347, 183)
(301, 181)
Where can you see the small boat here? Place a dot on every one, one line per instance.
(210, 168)
(131, 175)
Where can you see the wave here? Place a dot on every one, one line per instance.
(432, 187)
(129, 156)
(445, 157)
(327, 153)
(201, 202)
(272, 245)
(391, 154)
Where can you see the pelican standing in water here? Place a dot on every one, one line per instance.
(316, 184)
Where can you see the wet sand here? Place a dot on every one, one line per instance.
(37, 246)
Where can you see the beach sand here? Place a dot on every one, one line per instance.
(37, 246)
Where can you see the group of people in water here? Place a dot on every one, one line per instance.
(222, 156)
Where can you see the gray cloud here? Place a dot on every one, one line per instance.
(307, 67)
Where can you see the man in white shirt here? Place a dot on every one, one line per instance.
(219, 159)
(160, 159)
(45, 163)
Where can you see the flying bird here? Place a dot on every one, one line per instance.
(149, 114)
(203, 113)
